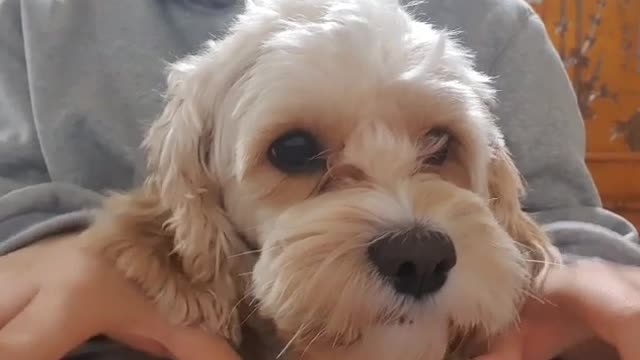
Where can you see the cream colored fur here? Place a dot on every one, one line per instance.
(219, 238)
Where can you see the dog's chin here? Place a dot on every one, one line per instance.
(408, 341)
(315, 281)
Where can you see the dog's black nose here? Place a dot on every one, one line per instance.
(417, 262)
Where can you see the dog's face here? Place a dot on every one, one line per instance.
(355, 148)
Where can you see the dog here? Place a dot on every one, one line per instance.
(328, 181)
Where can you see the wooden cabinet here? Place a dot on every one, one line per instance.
(599, 42)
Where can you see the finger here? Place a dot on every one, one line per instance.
(543, 333)
(13, 299)
(601, 301)
(140, 324)
(132, 320)
(629, 353)
(195, 344)
(141, 343)
(550, 338)
(45, 330)
(629, 347)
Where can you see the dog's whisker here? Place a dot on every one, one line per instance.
(256, 251)
(249, 316)
(524, 246)
(380, 236)
(335, 341)
(325, 265)
(546, 262)
(284, 286)
(321, 154)
(315, 338)
(457, 342)
(249, 252)
(422, 354)
(536, 297)
(293, 338)
(253, 302)
(235, 307)
(266, 193)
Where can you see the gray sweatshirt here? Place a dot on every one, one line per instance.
(80, 80)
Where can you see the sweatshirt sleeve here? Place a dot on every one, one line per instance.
(32, 206)
(540, 118)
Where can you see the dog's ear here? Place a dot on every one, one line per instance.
(506, 188)
(186, 187)
(178, 147)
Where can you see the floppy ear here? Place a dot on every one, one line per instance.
(172, 236)
(506, 188)
(178, 147)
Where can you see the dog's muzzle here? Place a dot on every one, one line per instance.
(416, 261)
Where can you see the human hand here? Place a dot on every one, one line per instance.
(581, 301)
(57, 294)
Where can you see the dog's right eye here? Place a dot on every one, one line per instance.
(296, 152)
(438, 143)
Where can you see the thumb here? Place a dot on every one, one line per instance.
(195, 344)
(549, 331)
(544, 332)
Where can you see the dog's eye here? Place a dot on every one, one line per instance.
(296, 152)
(437, 143)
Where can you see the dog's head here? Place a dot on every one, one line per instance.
(355, 147)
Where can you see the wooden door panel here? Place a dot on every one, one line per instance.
(599, 42)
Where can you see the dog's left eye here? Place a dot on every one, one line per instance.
(437, 142)
(296, 152)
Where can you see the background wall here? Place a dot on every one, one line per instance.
(599, 42)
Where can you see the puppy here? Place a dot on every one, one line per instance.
(328, 182)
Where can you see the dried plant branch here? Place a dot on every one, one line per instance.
(629, 130)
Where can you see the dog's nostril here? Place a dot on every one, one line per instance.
(406, 269)
(416, 262)
(442, 267)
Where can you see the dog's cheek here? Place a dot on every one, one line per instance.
(485, 286)
(313, 270)
(426, 339)
(506, 189)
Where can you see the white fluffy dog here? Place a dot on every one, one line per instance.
(327, 182)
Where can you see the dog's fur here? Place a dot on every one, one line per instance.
(369, 82)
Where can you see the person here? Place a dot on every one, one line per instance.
(79, 81)
(585, 300)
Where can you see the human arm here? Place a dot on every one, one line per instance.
(544, 130)
(47, 275)
(584, 300)
(32, 206)
(45, 313)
